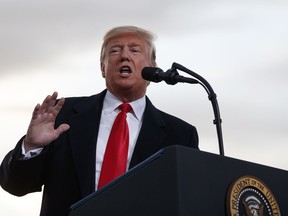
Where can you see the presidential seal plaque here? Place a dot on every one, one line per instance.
(248, 196)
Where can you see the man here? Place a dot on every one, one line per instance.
(63, 149)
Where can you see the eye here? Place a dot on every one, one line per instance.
(135, 49)
(115, 50)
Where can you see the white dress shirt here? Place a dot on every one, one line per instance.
(108, 115)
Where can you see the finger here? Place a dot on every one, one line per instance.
(54, 95)
(48, 103)
(36, 111)
(51, 102)
(45, 104)
(62, 128)
(58, 106)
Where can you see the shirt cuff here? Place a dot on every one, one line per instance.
(31, 153)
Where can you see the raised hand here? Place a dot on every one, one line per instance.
(41, 131)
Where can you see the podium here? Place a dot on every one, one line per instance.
(181, 181)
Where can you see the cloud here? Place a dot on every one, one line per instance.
(240, 47)
(37, 32)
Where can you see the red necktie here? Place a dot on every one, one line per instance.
(115, 157)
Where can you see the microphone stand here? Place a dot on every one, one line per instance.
(212, 97)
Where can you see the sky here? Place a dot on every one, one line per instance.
(239, 47)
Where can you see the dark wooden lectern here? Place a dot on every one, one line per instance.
(180, 181)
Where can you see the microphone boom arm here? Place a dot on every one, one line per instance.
(212, 97)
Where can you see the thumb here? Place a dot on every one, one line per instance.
(62, 128)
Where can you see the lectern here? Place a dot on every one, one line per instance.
(181, 181)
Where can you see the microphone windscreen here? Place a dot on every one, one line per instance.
(149, 73)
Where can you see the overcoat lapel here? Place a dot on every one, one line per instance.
(151, 134)
(84, 126)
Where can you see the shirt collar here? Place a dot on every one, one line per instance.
(111, 102)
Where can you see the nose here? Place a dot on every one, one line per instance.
(125, 55)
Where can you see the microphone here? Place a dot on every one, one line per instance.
(171, 76)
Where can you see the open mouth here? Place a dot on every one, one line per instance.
(125, 70)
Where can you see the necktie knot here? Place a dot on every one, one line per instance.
(125, 107)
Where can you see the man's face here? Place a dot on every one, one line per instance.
(125, 57)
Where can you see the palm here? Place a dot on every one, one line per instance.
(41, 131)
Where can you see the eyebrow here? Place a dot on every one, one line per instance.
(119, 44)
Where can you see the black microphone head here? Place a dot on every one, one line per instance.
(151, 74)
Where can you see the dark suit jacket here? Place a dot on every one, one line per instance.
(66, 167)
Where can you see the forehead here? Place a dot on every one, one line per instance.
(127, 39)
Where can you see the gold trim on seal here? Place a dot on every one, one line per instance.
(246, 183)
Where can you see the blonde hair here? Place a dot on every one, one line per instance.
(147, 36)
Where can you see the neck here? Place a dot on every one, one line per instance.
(127, 97)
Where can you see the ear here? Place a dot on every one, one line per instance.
(153, 64)
(102, 69)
